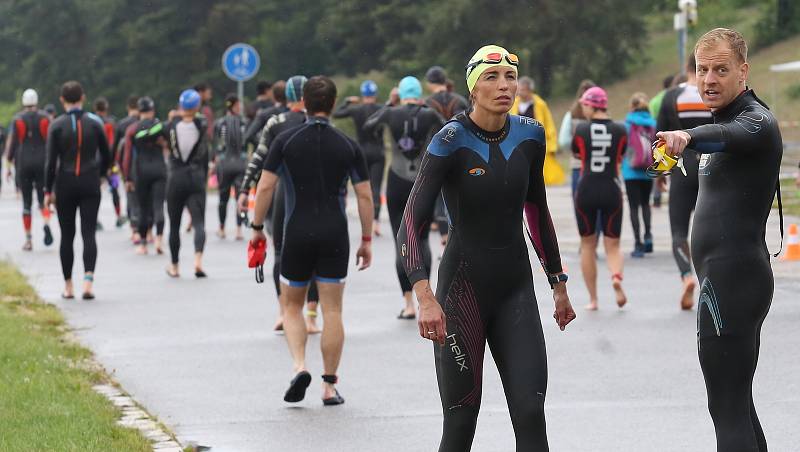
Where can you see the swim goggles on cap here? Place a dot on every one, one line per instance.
(493, 58)
(663, 163)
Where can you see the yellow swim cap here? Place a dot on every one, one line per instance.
(486, 57)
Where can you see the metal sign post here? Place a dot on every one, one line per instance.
(687, 16)
(240, 62)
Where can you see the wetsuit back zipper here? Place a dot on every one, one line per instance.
(78, 150)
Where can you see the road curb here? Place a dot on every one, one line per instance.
(133, 416)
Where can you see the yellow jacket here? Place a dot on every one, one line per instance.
(542, 114)
(552, 172)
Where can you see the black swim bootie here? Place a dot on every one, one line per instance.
(297, 388)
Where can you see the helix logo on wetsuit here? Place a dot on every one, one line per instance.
(601, 142)
(459, 356)
(477, 172)
(451, 132)
(751, 121)
(527, 120)
(403, 250)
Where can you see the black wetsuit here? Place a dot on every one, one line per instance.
(314, 161)
(3, 137)
(253, 131)
(682, 108)
(132, 204)
(371, 144)
(257, 106)
(485, 282)
(186, 184)
(404, 166)
(448, 105)
(272, 127)
(738, 172)
(149, 175)
(231, 156)
(28, 134)
(275, 126)
(600, 145)
(110, 128)
(77, 157)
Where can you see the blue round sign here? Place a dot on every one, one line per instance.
(240, 62)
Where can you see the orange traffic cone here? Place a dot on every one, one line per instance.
(251, 200)
(792, 245)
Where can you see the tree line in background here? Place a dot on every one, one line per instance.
(158, 47)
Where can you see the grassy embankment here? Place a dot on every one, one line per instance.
(46, 398)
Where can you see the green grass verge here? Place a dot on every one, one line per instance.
(790, 196)
(46, 398)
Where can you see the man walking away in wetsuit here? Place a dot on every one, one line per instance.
(682, 108)
(131, 203)
(276, 219)
(25, 149)
(77, 157)
(320, 160)
(207, 113)
(263, 100)
(264, 135)
(253, 131)
(230, 159)
(360, 109)
(109, 127)
(148, 174)
(447, 104)
(740, 157)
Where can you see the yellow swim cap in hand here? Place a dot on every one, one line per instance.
(663, 163)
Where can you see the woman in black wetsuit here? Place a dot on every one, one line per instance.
(740, 156)
(599, 144)
(489, 165)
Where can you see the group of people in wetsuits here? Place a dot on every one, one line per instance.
(66, 158)
(484, 166)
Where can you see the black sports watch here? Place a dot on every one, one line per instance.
(257, 227)
(553, 280)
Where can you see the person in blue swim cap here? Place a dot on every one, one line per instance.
(187, 178)
(359, 109)
(409, 88)
(369, 88)
(189, 100)
(411, 125)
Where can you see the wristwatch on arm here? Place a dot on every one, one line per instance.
(555, 279)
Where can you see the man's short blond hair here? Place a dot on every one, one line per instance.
(732, 38)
